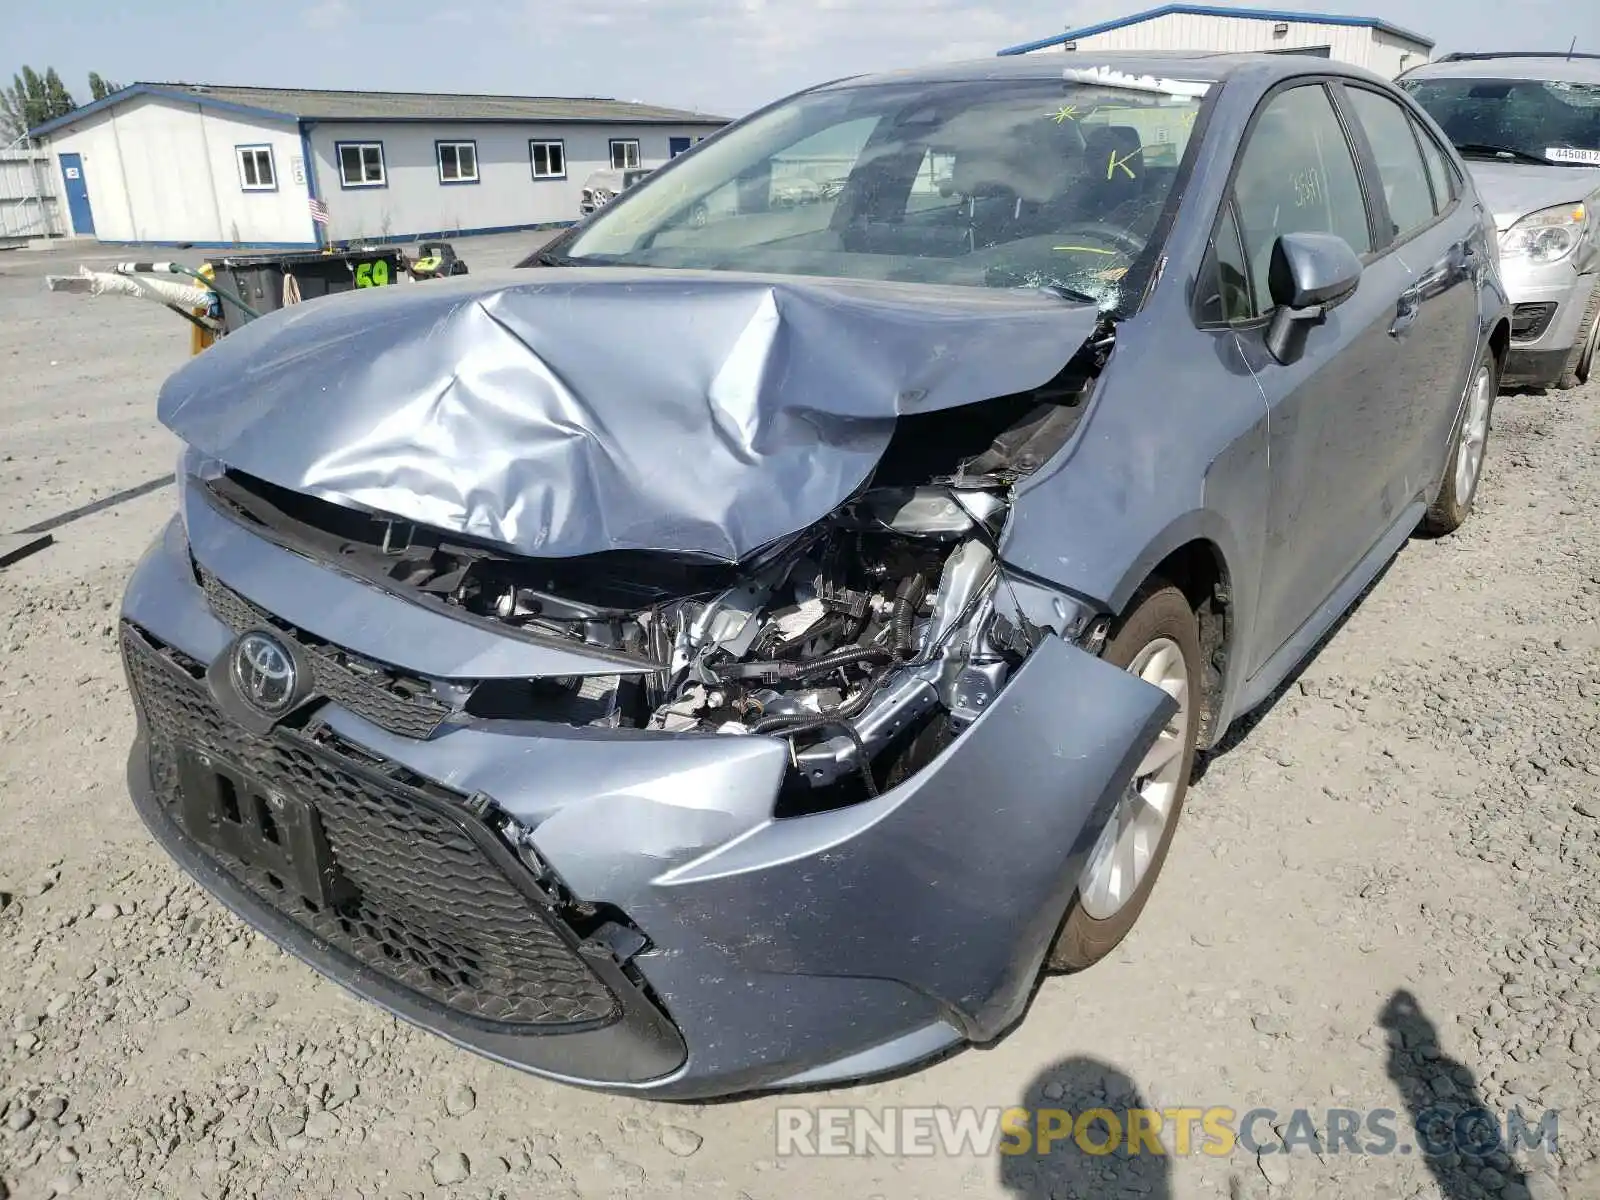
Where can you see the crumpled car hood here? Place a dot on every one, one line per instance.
(562, 412)
(1513, 190)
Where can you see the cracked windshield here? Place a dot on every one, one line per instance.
(1032, 184)
(1531, 120)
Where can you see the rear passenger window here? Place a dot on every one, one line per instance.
(1439, 174)
(1296, 175)
(1394, 146)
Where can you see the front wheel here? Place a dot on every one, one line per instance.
(1464, 460)
(1159, 641)
(1580, 363)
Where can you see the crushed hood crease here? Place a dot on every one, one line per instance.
(567, 412)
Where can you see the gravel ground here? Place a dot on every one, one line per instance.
(1383, 895)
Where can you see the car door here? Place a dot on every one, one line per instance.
(1334, 414)
(1442, 243)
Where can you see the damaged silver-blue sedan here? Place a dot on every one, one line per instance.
(743, 649)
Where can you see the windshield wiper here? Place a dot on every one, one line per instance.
(1066, 293)
(1503, 152)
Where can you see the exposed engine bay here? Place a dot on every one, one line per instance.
(867, 641)
(843, 643)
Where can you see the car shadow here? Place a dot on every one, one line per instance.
(1458, 1136)
(1065, 1168)
(1246, 723)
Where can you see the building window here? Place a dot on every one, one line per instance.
(624, 153)
(361, 164)
(255, 168)
(458, 161)
(549, 159)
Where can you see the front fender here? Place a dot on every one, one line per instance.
(955, 882)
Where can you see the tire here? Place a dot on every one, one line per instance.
(1160, 613)
(1580, 363)
(1580, 367)
(1459, 486)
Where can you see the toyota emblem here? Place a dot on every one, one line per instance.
(264, 673)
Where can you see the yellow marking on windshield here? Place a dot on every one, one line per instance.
(1084, 250)
(1069, 112)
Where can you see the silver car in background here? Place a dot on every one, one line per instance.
(1528, 126)
(606, 185)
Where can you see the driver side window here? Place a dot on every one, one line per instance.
(1296, 175)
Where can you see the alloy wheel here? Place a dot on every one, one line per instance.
(1474, 435)
(1127, 845)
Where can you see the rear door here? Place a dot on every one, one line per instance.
(1442, 243)
(1335, 415)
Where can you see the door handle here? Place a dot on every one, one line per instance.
(1405, 313)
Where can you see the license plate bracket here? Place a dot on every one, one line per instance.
(269, 830)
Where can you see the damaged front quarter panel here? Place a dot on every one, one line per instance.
(913, 884)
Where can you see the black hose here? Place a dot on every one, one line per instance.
(783, 669)
(863, 767)
(908, 598)
(839, 658)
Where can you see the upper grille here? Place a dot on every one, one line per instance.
(433, 911)
(390, 700)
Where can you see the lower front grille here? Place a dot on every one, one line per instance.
(422, 900)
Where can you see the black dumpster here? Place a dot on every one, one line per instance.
(260, 280)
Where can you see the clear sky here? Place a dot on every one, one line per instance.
(721, 56)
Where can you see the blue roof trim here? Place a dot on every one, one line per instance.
(144, 89)
(1212, 10)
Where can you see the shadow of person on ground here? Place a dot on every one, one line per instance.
(1460, 1139)
(1055, 1099)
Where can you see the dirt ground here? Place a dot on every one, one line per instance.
(1383, 895)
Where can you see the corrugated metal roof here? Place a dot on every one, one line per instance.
(315, 104)
(1210, 10)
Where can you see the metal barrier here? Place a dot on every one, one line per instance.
(29, 204)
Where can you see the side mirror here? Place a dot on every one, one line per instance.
(1309, 274)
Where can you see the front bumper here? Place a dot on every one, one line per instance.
(1551, 302)
(780, 952)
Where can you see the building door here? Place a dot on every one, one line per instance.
(677, 146)
(77, 194)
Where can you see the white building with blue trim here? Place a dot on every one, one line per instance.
(1364, 41)
(214, 166)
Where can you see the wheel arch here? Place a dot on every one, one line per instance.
(1195, 554)
(1500, 343)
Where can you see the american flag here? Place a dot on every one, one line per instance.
(319, 212)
